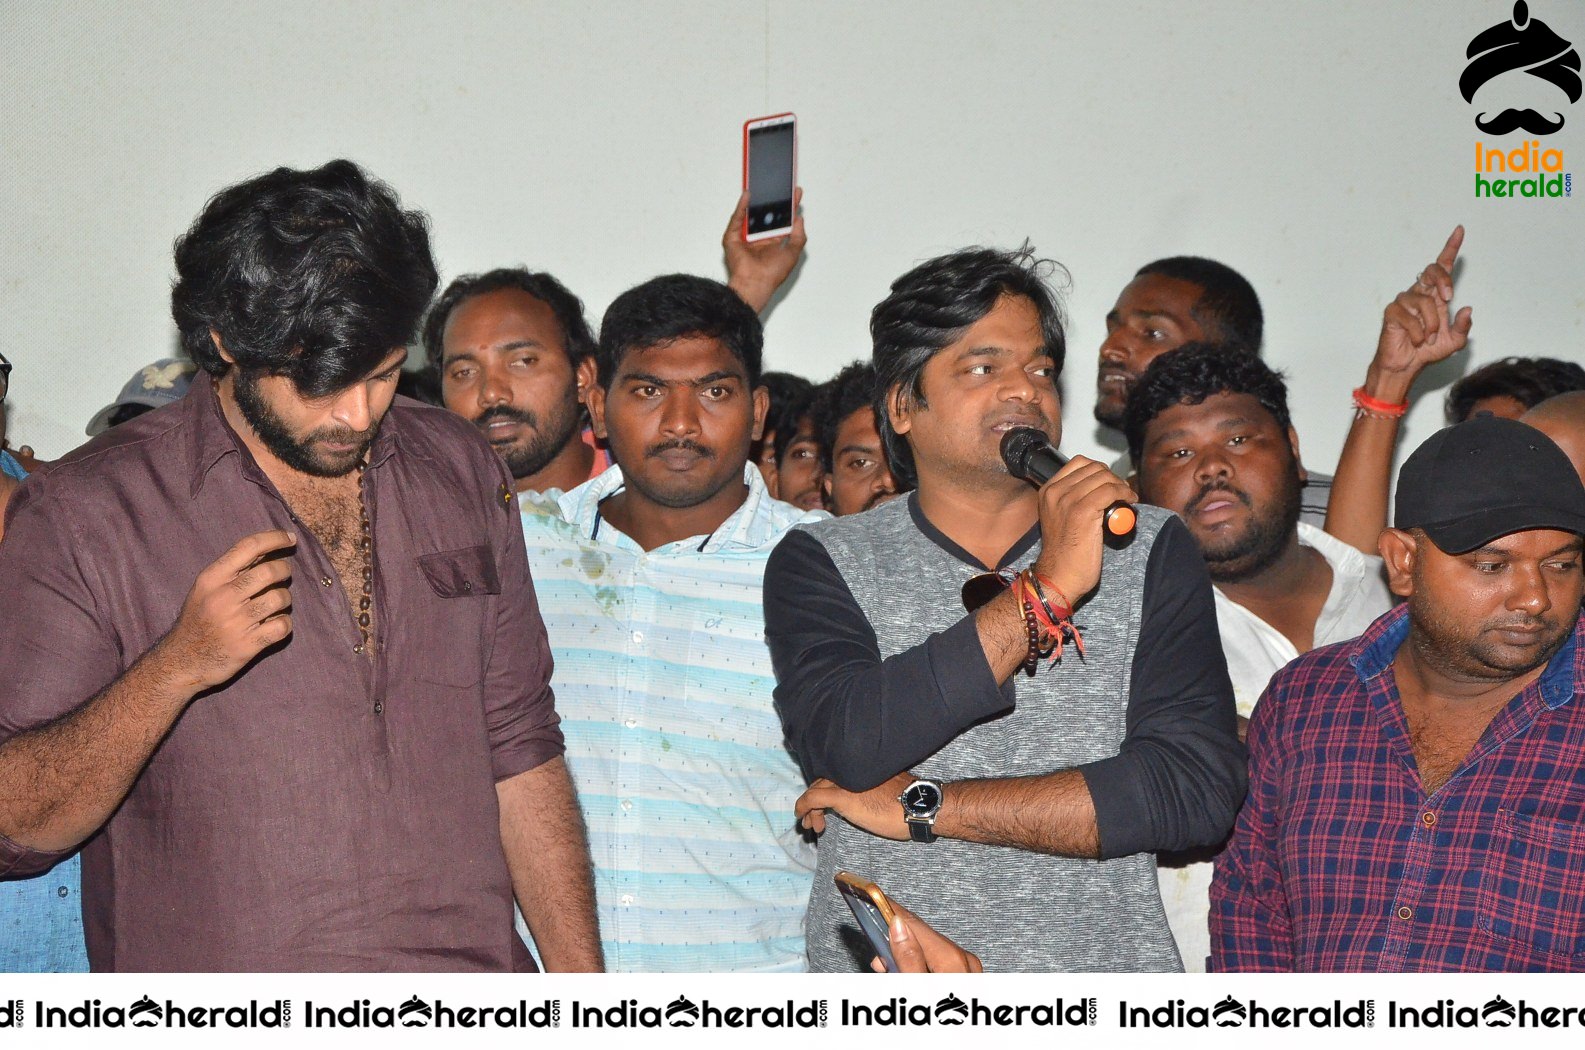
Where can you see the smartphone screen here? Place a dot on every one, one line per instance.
(772, 146)
(871, 923)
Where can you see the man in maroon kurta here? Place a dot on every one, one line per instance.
(273, 650)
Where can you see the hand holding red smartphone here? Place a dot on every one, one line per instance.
(770, 173)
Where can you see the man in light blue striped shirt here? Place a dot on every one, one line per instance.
(649, 579)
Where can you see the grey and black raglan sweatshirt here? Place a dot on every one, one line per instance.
(880, 670)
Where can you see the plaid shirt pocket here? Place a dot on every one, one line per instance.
(1531, 887)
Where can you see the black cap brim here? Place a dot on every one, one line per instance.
(1476, 530)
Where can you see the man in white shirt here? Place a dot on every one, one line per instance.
(1210, 432)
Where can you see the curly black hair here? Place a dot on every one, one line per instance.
(568, 308)
(1528, 380)
(928, 309)
(1194, 372)
(313, 275)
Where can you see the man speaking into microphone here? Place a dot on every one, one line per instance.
(1002, 716)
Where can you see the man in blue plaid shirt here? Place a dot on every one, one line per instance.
(1416, 794)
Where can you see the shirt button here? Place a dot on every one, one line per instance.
(1429, 818)
(63, 892)
(358, 648)
(1405, 913)
(627, 899)
(467, 585)
(631, 723)
(627, 804)
(638, 637)
(379, 707)
(324, 581)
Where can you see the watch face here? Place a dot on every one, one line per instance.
(922, 799)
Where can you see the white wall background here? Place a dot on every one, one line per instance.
(1322, 149)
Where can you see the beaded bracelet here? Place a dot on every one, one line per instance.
(1032, 657)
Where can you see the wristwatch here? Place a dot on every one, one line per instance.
(921, 802)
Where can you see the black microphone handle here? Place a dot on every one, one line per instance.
(1042, 464)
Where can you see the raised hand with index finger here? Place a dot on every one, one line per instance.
(1418, 327)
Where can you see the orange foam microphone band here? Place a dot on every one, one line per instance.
(1029, 455)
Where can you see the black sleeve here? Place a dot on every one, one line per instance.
(1179, 779)
(849, 715)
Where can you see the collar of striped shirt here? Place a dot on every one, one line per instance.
(759, 520)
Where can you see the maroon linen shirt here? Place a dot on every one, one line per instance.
(322, 811)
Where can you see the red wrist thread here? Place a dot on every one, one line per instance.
(1376, 407)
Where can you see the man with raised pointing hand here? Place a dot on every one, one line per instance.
(284, 674)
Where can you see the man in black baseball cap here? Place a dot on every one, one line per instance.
(1486, 478)
(1414, 793)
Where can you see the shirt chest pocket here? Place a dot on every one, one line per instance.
(468, 572)
(1533, 886)
(460, 584)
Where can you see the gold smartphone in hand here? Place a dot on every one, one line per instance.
(873, 912)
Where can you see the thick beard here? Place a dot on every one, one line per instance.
(543, 444)
(298, 453)
(1258, 549)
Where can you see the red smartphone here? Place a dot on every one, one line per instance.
(873, 912)
(770, 171)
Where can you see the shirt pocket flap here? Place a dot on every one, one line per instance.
(461, 573)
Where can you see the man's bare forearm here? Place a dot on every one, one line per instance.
(1003, 635)
(1357, 509)
(60, 782)
(1050, 813)
(547, 852)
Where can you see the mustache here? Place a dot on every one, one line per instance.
(877, 499)
(1511, 119)
(1525, 623)
(343, 436)
(1207, 491)
(499, 412)
(681, 443)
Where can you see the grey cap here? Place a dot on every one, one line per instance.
(155, 385)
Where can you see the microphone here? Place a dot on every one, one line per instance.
(1029, 455)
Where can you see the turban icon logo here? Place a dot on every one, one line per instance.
(1521, 43)
(414, 1012)
(951, 1010)
(145, 1013)
(1499, 1013)
(682, 1013)
(1229, 1012)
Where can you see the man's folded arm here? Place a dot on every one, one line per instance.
(1179, 777)
(851, 716)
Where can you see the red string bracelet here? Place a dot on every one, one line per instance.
(1036, 609)
(1371, 406)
